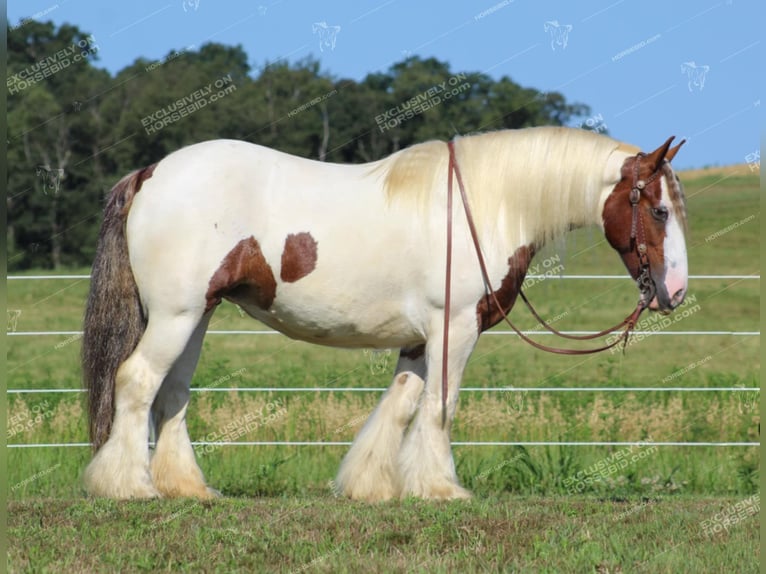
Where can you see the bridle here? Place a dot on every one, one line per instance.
(637, 239)
(644, 280)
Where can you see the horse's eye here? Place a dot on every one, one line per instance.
(660, 213)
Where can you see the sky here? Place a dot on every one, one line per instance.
(648, 70)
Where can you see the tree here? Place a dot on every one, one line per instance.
(48, 138)
(74, 130)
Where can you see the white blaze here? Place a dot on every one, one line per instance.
(676, 266)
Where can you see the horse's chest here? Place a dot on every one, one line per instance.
(487, 311)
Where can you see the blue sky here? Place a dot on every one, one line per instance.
(647, 69)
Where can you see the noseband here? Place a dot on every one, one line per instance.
(638, 242)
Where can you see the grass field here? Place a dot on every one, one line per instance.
(533, 510)
(316, 533)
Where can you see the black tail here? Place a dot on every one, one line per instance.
(114, 319)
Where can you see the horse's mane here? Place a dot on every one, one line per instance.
(677, 197)
(527, 185)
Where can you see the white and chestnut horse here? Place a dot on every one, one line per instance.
(346, 256)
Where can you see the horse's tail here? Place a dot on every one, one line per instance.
(114, 319)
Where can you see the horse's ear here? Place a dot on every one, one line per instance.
(655, 158)
(673, 151)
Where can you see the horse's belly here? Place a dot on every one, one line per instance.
(377, 325)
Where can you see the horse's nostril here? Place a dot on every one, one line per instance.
(678, 297)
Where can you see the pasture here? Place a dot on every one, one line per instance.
(563, 507)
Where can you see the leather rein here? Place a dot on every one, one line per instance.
(638, 243)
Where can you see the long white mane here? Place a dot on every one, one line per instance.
(528, 186)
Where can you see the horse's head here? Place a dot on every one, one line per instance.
(645, 222)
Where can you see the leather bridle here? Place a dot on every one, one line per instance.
(637, 239)
(644, 280)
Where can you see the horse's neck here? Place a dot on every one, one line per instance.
(533, 186)
(580, 206)
(611, 177)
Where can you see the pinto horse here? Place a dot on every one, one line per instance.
(347, 256)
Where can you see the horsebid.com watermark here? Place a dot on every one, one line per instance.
(422, 102)
(29, 419)
(309, 104)
(189, 104)
(51, 65)
(547, 268)
(34, 17)
(599, 471)
(169, 58)
(266, 415)
(726, 230)
(34, 477)
(732, 515)
(655, 323)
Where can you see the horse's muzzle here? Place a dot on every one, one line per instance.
(665, 304)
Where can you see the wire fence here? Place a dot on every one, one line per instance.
(464, 389)
(609, 277)
(454, 443)
(489, 333)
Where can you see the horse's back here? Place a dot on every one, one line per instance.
(209, 196)
(325, 234)
(231, 170)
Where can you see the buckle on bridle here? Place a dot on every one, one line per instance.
(646, 286)
(635, 192)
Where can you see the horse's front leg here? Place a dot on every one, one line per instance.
(369, 469)
(425, 460)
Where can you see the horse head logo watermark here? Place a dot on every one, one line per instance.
(378, 360)
(515, 401)
(13, 319)
(189, 5)
(559, 33)
(50, 178)
(748, 400)
(327, 35)
(695, 74)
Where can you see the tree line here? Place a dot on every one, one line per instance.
(74, 129)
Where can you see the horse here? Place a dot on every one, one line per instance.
(347, 256)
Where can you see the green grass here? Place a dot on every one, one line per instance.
(521, 529)
(320, 534)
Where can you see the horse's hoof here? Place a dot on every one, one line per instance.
(446, 491)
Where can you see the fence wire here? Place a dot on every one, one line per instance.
(465, 389)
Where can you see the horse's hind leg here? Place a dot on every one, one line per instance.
(174, 469)
(120, 468)
(369, 469)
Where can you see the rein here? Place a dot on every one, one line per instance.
(644, 281)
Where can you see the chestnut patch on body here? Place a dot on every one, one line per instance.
(299, 257)
(487, 312)
(244, 276)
